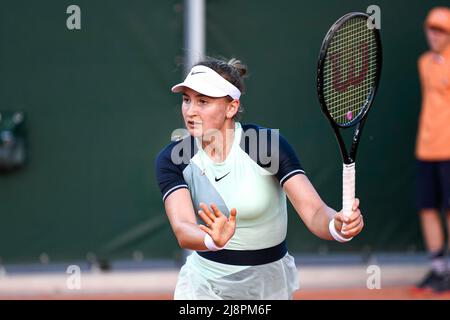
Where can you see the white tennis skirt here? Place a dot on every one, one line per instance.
(202, 279)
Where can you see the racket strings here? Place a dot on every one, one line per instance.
(348, 104)
(352, 91)
(350, 70)
(341, 55)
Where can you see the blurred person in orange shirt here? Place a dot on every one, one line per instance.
(433, 146)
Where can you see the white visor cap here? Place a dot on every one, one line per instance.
(206, 81)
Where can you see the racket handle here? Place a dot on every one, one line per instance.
(348, 189)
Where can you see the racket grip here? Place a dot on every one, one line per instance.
(348, 189)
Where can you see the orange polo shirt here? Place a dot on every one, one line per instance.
(433, 138)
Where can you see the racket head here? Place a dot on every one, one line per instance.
(349, 69)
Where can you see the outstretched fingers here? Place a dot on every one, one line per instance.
(216, 210)
(205, 218)
(207, 211)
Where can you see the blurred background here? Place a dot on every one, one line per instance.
(93, 108)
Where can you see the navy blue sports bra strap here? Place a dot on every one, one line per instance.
(247, 257)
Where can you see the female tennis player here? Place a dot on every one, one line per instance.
(224, 189)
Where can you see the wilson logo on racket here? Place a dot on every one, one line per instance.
(353, 79)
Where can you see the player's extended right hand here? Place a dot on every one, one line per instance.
(218, 226)
(350, 226)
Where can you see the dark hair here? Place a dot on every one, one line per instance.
(233, 70)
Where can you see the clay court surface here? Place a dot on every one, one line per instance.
(405, 293)
(318, 281)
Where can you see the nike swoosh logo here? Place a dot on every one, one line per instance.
(217, 180)
(192, 73)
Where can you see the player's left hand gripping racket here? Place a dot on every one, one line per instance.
(348, 73)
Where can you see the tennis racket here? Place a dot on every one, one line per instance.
(348, 74)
